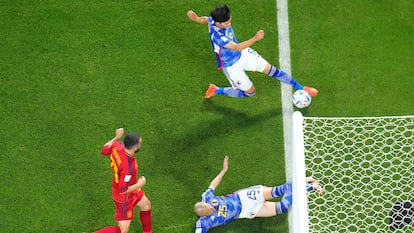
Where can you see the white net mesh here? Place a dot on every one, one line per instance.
(367, 168)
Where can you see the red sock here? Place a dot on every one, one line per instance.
(146, 221)
(110, 229)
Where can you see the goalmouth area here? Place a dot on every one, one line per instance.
(366, 165)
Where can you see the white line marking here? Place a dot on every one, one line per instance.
(286, 90)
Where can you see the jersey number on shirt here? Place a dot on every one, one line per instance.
(222, 211)
(115, 170)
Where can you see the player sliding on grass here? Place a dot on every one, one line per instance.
(235, 58)
(250, 202)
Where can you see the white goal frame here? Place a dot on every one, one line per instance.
(299, 211)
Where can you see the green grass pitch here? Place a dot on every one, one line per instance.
(71, 72)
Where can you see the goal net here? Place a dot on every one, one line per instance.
(366, 165)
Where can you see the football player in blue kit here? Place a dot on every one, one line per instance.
(213, 211)
(235, 58)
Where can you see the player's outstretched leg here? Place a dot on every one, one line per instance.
(211, 91)
(284, 204)
(281, 189)
(285, 78)
(226, 91)
(311, 185)
(311, 90)
(286, 190)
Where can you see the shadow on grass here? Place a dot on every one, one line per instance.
(231, 121)
(263, 225)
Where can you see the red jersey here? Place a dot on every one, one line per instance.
(124, 167)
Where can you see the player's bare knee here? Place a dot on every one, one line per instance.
(147, 205)
(250, 94)
(267, 193)
(250, 90)
(144, 204)
(124, 226)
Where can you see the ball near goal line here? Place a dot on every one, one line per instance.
(301, 99)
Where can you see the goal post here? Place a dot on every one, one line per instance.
(299, 209)
(366, 165)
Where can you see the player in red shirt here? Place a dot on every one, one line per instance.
(126, 187)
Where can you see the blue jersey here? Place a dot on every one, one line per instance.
(227, 208)
(220, 37)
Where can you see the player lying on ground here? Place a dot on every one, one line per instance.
(249, 203)
(235, 58)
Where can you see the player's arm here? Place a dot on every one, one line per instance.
(106, 149)
(140, 183)
(118, 134)
(217, 180)
(245, 44)
(195, 18)
(200, 227)
(199, 230)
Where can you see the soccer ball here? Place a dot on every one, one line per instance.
(301, 99)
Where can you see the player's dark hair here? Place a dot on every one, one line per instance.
(131, 140)
(220, 14)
